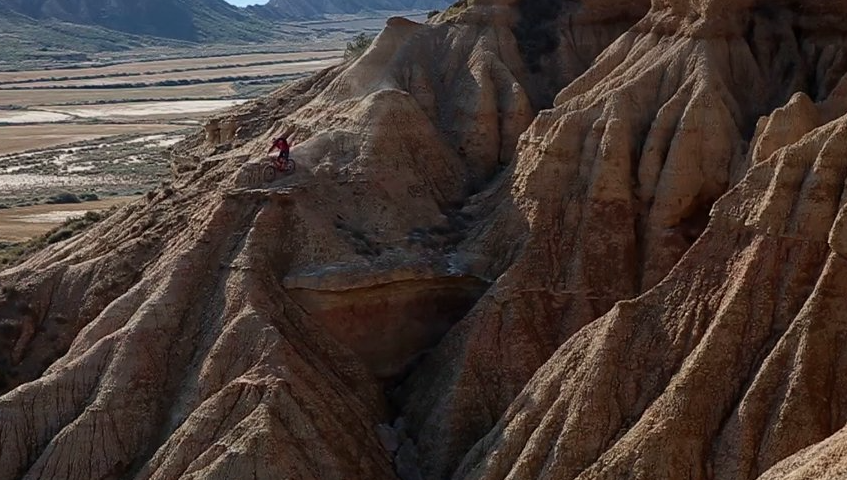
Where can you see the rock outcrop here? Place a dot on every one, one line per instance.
(725, 368)
(610, 188)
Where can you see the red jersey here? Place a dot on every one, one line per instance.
(282, 145)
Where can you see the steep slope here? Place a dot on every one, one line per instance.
(181, 351)
(822, 460)
(223, 326)
(189, 20)
(731, 363)
(613, 186)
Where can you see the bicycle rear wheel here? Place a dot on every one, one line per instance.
(269, 173)
(290, 167)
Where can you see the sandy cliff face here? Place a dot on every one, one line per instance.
(722, 370)
(613, 186)
(498, 231)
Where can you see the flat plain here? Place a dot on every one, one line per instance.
(74, 96)
(22, 138)
(171, 65)
(19, 224)
(44, 112)
(109, 140)
(195, 75)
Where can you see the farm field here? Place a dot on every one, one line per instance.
(74, 96)
(44, 114)
(174, 109)
(171, 65)
(19, 224)
(106, 142)
(22, 138)
(142, 98)
(194, 75)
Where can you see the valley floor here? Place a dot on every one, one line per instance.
(20, 224)
(104, 131)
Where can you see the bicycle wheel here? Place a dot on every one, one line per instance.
(289, 168)
(269, 173)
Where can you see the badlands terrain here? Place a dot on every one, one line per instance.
(102, 127)
(594, 239)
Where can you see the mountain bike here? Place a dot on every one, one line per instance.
(275, 167)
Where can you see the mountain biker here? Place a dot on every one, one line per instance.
(284, 147)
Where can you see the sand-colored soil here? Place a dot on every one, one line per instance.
(11, 183)
(166, 65)
(148, 110)
(31, 116)
(22, 138)
(134, 105)
(28, 98)
(23, 223)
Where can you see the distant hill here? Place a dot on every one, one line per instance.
(188, 20)
(38, 31)
(315, 9)
(23, 38)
